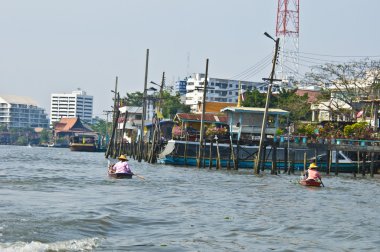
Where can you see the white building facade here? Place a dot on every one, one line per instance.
(218, 90)
(21, 112)
(76, 104)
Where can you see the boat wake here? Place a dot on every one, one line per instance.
(87, 244)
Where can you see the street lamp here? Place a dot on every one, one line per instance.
(264, 123)
(151, 89)
(269, 36)
(154, 83)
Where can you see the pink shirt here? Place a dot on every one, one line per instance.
(121, 167)
(313, 174)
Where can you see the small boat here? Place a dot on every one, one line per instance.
(83, 142)
(120, 175)
(305, 182)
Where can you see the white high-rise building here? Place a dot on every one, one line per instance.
(76, 104)
(218, 90)
(21, 112)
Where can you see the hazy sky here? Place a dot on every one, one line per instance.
(49, 46)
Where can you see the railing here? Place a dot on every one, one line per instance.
(330, 141)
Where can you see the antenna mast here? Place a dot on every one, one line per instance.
(287, 27)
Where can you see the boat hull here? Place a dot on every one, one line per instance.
(183, 153)
(121, 175)
(314, 183)
(83, 147)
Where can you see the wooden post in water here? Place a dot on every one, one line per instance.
(274, 160)
(232, 153)
(141, 143)
(204, 153)
(115, 109)
(210, 155)
(115, 149)
(122, 133)
(286, 159)
(363, 163)
(201, 147)
(358, 164)
(185, 151)
(371, 166)
(262, 163)
(236, 163)
(304, 163)
(265, 117)
(336, 162)
(156, 132)
(114, 125)
(293, 161)
(328, 165)
(218, 163)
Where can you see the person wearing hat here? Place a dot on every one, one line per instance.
(122, 166)
(312, 173)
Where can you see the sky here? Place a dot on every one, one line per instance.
(59, 46)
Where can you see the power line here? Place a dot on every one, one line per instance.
(254, 68)
(342, 56)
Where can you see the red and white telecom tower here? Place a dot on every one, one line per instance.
(287, 29)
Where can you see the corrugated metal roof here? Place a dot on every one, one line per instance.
(255, 110)
(14, 99)
(209, 117)
(131, 109)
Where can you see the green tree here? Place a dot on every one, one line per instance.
(171, 105)
(134, 99)
(254, 99)
(101, 126)
(298, 106)
(22, 140)
(3, 128)
(45, 136)
(350, 83)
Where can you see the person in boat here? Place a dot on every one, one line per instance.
(122, 166)
(312, 173)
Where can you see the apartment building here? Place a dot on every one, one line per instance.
(218, 90)
(76, 104)
(21, 112)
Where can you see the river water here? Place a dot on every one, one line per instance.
(52, 199)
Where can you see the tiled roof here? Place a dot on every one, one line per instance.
(312, 95)
(70, 124)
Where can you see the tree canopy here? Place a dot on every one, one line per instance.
(287, 99)
(348, 83)
(134, 99)
(170, 104)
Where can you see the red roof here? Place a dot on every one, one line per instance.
(312, 95)
(70, 124)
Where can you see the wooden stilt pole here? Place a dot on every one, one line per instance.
(336, 162)
(218, 163)
(274, 160)
(186, 142)
(210, 155)
(371, 166)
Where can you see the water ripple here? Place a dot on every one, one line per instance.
(57, 200)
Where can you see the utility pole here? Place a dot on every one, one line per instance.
(264, 124)
(201, 147)
(141, 146)
(107, 112)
